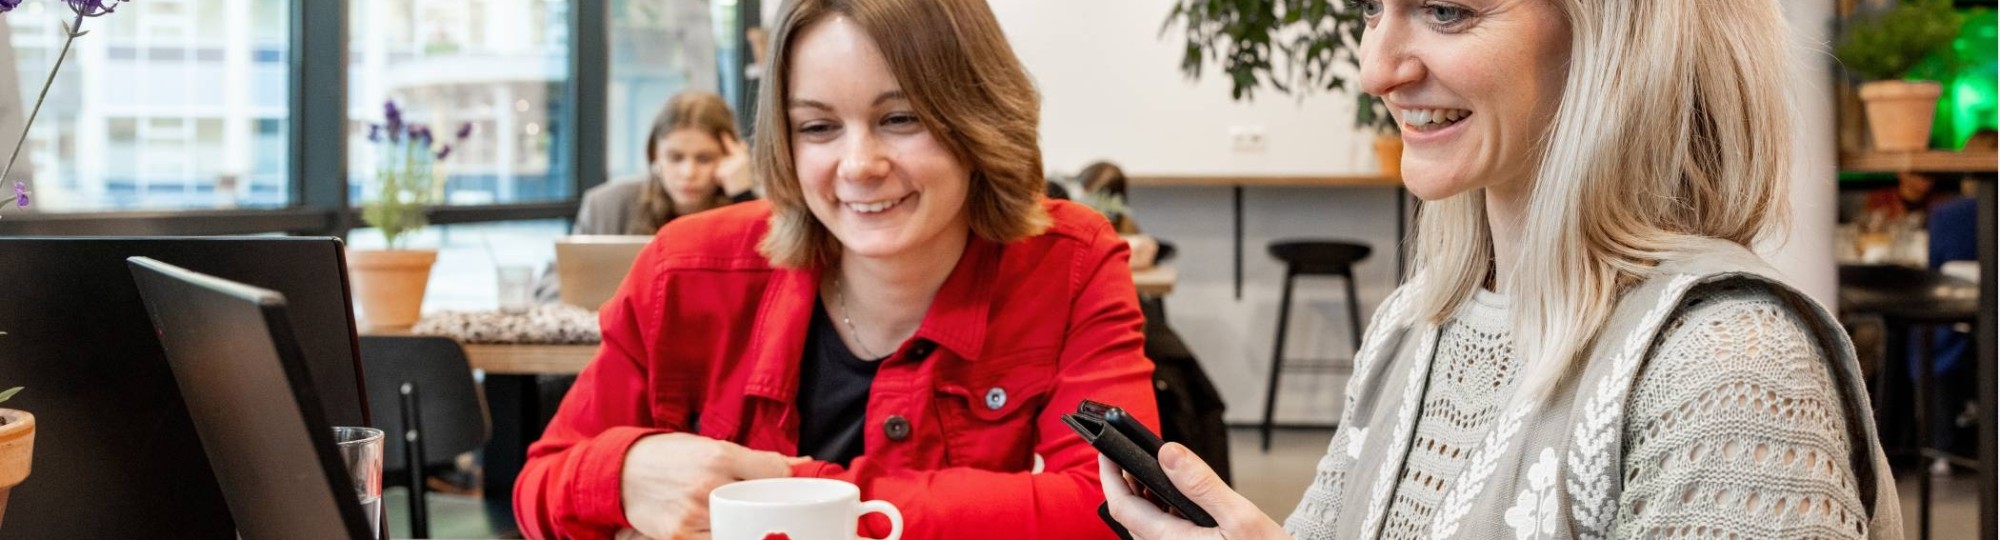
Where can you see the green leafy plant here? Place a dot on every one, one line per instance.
(1296, 47)
(1112, 205)
(9, 393)
(1886, 45)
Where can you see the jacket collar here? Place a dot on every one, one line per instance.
(956, 319)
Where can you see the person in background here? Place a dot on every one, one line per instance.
(1103, 185)
(906, 312)
(1953, 237)
(1586, 346)
(695, 161)
(1914, 195)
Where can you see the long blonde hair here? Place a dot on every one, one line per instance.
(1673, 126)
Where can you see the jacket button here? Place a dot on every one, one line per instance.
(922, 349)
(996, 398)
(896, 427)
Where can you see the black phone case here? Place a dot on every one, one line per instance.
(1113, 433)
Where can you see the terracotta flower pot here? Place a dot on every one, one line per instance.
(17, 450)
(1389, 152)
(1900, 113)
(390, 284)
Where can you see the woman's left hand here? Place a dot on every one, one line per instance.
(1235, 517)
(734, 169)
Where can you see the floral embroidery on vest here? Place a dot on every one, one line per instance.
(1534, 513)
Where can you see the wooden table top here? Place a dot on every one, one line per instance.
(1156, 281)
(534, 359)
(519, 359)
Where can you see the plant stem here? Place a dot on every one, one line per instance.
(25, 126)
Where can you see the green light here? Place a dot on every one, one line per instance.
(1968, 72)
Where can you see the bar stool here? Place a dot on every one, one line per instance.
(1310, 258)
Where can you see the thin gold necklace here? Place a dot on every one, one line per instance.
(841, 298)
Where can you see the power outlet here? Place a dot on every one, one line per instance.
(1247, 139)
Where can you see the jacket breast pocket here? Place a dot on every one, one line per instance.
(989, 416)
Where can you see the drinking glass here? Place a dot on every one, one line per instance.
(361, 450)
(517, 288)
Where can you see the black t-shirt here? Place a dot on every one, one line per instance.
(833, 394)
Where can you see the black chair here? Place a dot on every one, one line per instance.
(1911, 302)
(1310, 258)
(421, 390)
(1190, 406)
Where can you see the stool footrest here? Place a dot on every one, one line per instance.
(1954, 459)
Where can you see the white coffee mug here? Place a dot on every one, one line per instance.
(800, 508)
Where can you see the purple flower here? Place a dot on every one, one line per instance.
(92, 8)
(464, 130)
(21, 194)
(395, 117)
(444, 152)
(9, 5)
(420, 133)
(374, 133)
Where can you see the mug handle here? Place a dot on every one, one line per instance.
(889, 510)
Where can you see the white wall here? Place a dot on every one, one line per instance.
(1112, 89)
(1806, 255)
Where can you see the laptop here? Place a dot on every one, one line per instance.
(113, 434)
(592, 266)
(251, 395)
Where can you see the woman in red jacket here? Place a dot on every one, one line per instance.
(906, 312)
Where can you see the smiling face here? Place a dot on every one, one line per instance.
(1474, 84)
(869, 169)
(684, 162)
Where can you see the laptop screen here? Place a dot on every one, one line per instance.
(254, 406)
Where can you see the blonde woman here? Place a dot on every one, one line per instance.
(1586, 347)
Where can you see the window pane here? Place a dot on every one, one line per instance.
(658, 48)
(499, 65)
(166, 104)
(469, 254)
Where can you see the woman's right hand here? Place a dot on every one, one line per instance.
(1235, 517)
(666, 479)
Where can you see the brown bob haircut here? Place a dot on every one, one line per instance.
(968, 89)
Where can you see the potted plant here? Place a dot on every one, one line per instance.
(390, 282)
(1373, 115)
(1882, 48)
(17, 427)
(17, 447)
(1295, 46)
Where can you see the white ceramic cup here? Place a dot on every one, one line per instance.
(801, 508)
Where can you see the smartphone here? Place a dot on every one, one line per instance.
(1136, 449)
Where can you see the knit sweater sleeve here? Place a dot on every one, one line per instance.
(1735, 428)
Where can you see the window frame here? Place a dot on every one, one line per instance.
(316, 87)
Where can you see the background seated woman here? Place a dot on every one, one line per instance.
(695, 161)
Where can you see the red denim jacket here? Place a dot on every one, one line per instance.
(706, 337)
